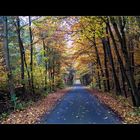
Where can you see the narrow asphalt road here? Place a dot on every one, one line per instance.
(80, 107)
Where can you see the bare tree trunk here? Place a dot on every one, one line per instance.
(116, 81)
(21, 54)
(31, 56)
(46, 65)
(99, 80)
(106, 67)
(7, 60)
(50, 70)
(131, 54)
(99, 61)
(23, 58)
(123, 83)
(53, 71)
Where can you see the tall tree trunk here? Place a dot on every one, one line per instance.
(46, 64)
(131, 53)
(116, 81)
(23, 58)
(99, 79)
(31, 56)
(50, 69)
(53, 71)
(100, 66)
(92, 74)
(123, 83)
(106, 67)
(7, 61)
(99, 61)
(21, 54)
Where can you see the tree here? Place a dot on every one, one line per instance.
(31, 56)
(129, 78)
(7, 61)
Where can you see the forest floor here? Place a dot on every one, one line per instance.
(32, 113)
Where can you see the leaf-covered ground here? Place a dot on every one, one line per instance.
(32, 113)
(120, 105)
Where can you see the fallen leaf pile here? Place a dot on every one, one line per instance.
(119, 105)
(33, 113)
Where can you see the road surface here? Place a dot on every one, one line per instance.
(80, 107)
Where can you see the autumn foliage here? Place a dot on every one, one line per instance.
(41, 54)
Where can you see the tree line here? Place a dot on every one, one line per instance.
(31, 58)
(112, 44)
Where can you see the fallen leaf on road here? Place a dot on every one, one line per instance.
(105, 118)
